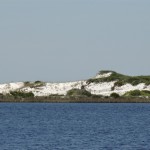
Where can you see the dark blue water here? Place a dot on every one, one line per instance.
(43, 126)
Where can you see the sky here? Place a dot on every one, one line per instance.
(69, 40)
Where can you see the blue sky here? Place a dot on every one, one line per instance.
(66, 40)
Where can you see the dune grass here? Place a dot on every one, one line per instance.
(121, 79)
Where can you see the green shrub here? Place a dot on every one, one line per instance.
(34, 84)
(106, 71)
(133, 93)
(27, 82)
(19, 94)
(137, 93)
(119, 83)
(78, 93)
(146, 92)
(114, 95)
(38, 82)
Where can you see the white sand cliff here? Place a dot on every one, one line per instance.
(101, 88)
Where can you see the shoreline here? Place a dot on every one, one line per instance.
(74, 100)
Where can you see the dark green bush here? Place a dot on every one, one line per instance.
(106, 71)
(78, 93)
(146, 91)
(137, 93)
(38, 82)
(34, 84)
(19, 94)
(133, 93)
(119, 83)
(114, 95)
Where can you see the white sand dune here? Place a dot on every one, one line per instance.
(102, 88)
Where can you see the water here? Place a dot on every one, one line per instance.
(47, 126)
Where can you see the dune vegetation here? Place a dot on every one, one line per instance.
(106, 86)
(121, 79)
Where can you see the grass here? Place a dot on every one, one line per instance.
(121, 79)
(137, 93)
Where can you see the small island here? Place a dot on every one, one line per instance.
(105, 87)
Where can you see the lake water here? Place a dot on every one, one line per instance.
(69, 126)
